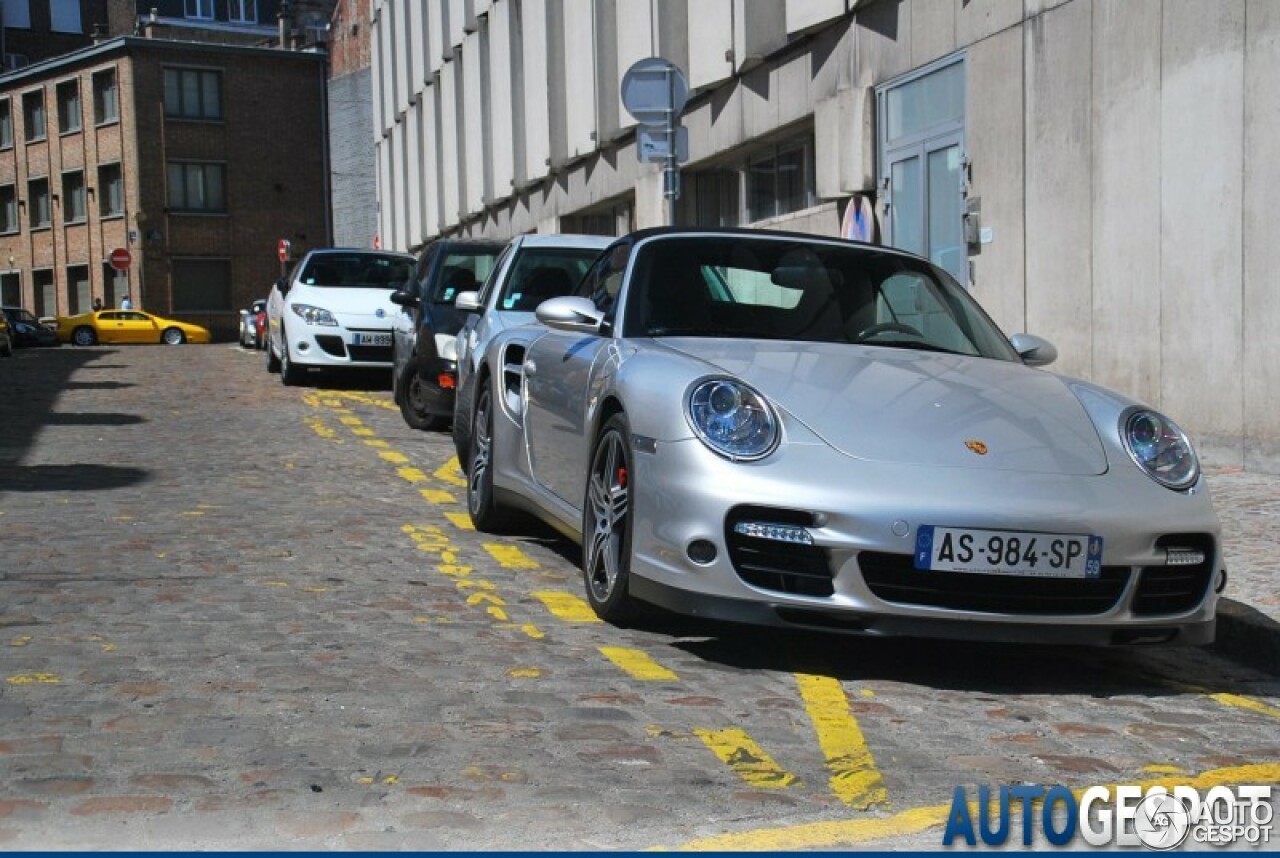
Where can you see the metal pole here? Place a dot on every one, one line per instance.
(670, 172)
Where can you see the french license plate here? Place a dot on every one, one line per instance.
(1008, 552)
(358, 339)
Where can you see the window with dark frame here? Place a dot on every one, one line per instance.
(68, 106)
(46, 297)
(9, 208)
(74, 208)
(201, 285)
(110, 190)
(33, 116)
(79, 290)
(202, 9)
(6, 123)
(197, 187)
(243, 11)
(193, 93)
(106, 98)
(38, 202)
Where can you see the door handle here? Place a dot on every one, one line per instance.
(530, 368)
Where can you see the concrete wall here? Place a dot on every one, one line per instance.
(355, 206)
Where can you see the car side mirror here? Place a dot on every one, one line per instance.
(1034, 351)
(404, 297)
(468, 302)
(570, 313)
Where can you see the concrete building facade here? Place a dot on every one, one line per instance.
(159, 148)
(1096, 171)
(354, 169)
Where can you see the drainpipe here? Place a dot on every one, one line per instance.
(284, 19)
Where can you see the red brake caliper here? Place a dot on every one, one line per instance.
(622, 478)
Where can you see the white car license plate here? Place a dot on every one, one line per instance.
(1008, 552)
(358, 339)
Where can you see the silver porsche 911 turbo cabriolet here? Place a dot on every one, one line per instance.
(787, 430)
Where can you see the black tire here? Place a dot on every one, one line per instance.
(412, 399)
(84, 336)
(173, 337)
(606, 524)
(291, 375)
(486, 513)
(7, 351)
(273, 362)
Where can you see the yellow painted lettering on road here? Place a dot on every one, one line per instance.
(638, 664)
(566, 606)
(854, 777)
(510, 556)
(748, 760)
(452, 473)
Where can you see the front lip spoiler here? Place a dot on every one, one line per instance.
(763, 613)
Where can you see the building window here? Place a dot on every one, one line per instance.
(64, 16)
(193, 93)
(45, 296)
(38, 202)
(201, 285)
(17, 13)
(200, 9)
(73, 203)
(79, 294)
(8, 208)
(68, 106)
(110, 190)
(106, 101)
(780, 180)
(710, 197)
(11, 289)
(921, 163)
(115, 285)
(197, 187)
(33, 115)
(243, 11)
(6, 123)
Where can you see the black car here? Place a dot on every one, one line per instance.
(424, 354)
(25, 329)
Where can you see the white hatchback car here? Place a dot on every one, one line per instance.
(334, 312)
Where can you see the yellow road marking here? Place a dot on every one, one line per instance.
(275, 583)
(372, 442)
(477, 598)
(351, 421)
(1162, 769)
(1239, 702)
(854, 777)
(34, 679)
(437, 496)
(20, 640)
(510, 556)
(411, 475)
(748, 760)
(524, 672)
(460, 520)
(532, 631)
(566, 606)
(848, 832)
(452, 473)
(638, 664)
(318, 426)
(394, 457)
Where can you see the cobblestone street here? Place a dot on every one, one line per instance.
(238, 615)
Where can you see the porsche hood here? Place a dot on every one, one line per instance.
(916, 407)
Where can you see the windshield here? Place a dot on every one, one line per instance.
(542, 273)
(21, 316)
(766, 288)
(357, 270)
(463, 271)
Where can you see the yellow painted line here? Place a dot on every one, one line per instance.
(452, 473)
(460, 520)
(193, 513)
(275, 583)
(566, 606)
(20, 640)
(499, 615)
(477, 584)
(637, 664)
(747, 759)
(1162, 769)
(351, 421)
(532, 632)
(524, 672)
(372, 442)
(477, 598)
(510, 556)
(34, 679)
(854, 777)
(318, 426)
(849, 832)
(437, 496)
(411, 475)
(394, 457)
(1238, 702)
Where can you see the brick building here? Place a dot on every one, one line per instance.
(197, 158)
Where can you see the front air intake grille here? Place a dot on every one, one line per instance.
(381, 354)
(893, 578)
(331, 344)
(1175, 589)
(784, 567)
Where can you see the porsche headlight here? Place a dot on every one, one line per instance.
(314, 315)
(1160, 448)
(732, 419)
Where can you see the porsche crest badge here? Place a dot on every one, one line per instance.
(977, 447)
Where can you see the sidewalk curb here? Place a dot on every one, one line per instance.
(1248, 636)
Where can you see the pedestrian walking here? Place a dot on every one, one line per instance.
(97, 304)
(125, 303)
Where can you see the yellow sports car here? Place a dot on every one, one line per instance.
(127, 326)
